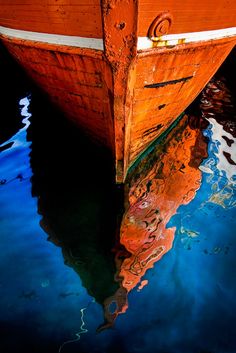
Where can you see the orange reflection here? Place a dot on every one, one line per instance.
(164, 180)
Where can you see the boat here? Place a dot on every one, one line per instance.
(124, 71)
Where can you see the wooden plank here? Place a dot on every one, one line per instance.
(188, 16)
(81, 95)
(148, 121)
(69, 17)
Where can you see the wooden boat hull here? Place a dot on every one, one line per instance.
(119, 75)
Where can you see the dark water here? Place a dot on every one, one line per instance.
(154, 261)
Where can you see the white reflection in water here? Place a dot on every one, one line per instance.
(221, 165)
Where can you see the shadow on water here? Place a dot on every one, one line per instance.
(79, 203)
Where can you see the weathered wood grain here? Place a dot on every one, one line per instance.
(79, 85)
(188, 16)
(67, 17)
(181, 73)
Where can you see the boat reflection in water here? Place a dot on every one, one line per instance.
(82, 211)
(167, 178)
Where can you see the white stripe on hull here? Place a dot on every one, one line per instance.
(175, 39)
(95, 43)
(74, 41)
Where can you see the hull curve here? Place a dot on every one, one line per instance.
(122, 88)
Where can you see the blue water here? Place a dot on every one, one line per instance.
(56, 233)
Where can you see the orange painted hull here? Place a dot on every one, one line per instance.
(129, 79)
